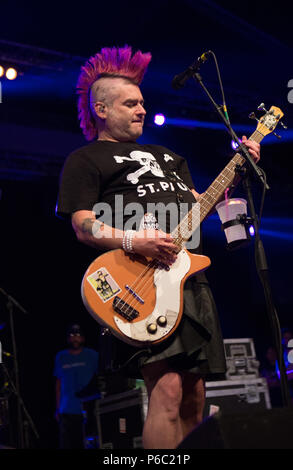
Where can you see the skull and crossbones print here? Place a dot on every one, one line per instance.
(147, 162)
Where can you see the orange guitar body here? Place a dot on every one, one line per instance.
(140, 303)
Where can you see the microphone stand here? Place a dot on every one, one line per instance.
(263, 273)
(260, 257)
(242, 147)
(25, 441)
(11, 302)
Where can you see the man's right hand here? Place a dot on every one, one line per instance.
(150, 243)
(155, 244)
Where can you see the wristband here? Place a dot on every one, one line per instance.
(127, 241)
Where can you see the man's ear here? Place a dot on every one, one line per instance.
(100, 109)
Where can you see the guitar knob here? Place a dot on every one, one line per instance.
(162, 321)
(152, 328)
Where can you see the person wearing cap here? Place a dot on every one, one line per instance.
(74, 369)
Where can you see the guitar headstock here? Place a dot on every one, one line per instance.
(269, 121)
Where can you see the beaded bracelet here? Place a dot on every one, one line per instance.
(127, 241)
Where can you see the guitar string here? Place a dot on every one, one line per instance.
(216, 186)
(146, 283)
(183, 224)
(149, 284)
(152, 265)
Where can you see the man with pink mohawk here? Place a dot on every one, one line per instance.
(109, 61)
(111, 112)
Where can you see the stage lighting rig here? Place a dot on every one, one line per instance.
(11, 73)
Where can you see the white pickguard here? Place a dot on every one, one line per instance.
(167, 303)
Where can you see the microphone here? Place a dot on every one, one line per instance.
(180, 79)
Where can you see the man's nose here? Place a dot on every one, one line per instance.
(141, 110)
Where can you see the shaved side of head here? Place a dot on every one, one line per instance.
(106, 90)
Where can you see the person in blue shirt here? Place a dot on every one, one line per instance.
(74, 369)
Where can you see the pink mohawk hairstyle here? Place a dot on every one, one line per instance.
(113, 61)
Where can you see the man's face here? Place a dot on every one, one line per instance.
(75, 340)
(124, 118)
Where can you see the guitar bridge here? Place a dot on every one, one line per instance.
(124, 309)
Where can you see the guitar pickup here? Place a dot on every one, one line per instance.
(124, 309)
(138, 298)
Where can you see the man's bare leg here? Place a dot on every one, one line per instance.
(175, 405)
(193, 400)
(162, 428)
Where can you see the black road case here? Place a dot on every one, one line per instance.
(120, 419)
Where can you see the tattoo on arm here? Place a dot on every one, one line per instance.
(91, 226)
(87, 225)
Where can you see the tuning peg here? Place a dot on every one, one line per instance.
(283, 125)
(261, 107)
(253, 116)
(277, 135)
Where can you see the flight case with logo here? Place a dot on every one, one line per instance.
(236, 396)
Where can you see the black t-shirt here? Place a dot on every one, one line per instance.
(120, 174)
(143, 174)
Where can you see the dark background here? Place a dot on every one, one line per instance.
(41, 262)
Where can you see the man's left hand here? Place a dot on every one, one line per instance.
(253, 148)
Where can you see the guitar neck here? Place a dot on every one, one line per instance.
(210, 197)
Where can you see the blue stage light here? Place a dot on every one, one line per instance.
(159, 119)
(234, 144)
